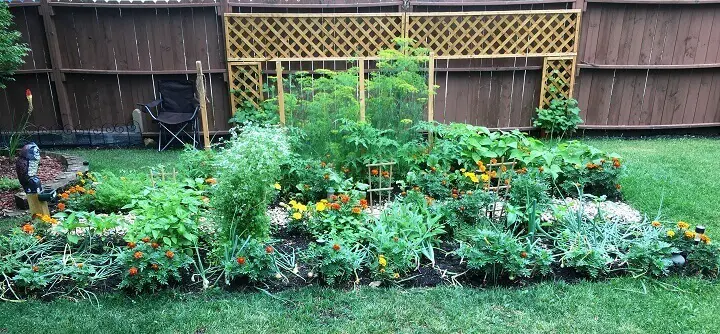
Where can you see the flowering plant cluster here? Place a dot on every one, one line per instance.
(149, 265)
(339, 216)
(334, 261)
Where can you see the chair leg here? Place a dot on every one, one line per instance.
(160, 138)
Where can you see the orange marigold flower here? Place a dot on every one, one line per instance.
(541, 169)
(356, 210)
(479, 163)
(28, 228)
(35, 268)
(493, 161)
(61, 206)
(364, 203)
(493, 174)
(335, 206)
(454, 195)
(133, 271)
(386, 174)
(211, 180)
(323, 164)
(155, 245)
(64, 195)
(326, 176)
(336, 247)
(138, 255)
(145, 239)
(683, 225)
(374, 172)
(618, 186)
(80, 265)
(523, 254)
(131, 245)
(705, 239)
(155, 266)
(269, 249)
(241, 260)
(91, 192)
(656, 223)
(689, 234)
(344, 198)
(169, 254)
(333, 198)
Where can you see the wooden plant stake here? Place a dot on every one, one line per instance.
(200, 83)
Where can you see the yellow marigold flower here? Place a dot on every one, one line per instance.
(482, 168)
(382, 261)
(705, 239)
(656, 223)
(485, 178)
(670, 233)
(297, 215)
(689, 234)
(278, 186)
(292, 203)
(320, 206)
(396, 275)
(462, 170)
(472, 177)
(210, 180)
(683, 225)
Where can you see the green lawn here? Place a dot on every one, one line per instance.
(683, 171)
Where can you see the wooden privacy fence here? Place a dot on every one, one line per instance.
(640, 64)
(255, 38)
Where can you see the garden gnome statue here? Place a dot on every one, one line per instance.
(26, 167)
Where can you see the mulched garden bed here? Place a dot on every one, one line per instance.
(50, 168)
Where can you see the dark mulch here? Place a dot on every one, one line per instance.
(48, 170)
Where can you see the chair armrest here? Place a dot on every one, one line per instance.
(146, 107)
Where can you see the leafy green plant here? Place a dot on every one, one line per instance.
(168, 214)
(649, 255)
(249, 258)
(7, 184)
(334, 261)
(248, 168)
(150, 266)
(499, 254)
(468, 212)
(12, 51)
(560, 117)
(404, 233)
(194, 163)
(339, 217)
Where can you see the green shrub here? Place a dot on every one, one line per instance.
(499, 254)
(335, 261)
(649, 255)
(150, 266)
(248, 168)
(12, 51)
(113, 192)
(194, 163)
(309, 179)
(561, 117)
(468, 211)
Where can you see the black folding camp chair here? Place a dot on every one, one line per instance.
(175, 111)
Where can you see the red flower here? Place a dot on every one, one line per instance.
(336, 247)
(241, 260)
(138, 255)
(133, 271)
(269, 249)
(28, 94)
(169, 254)
(374, 172)
(364, 203)
(523, 254)
(335, 206)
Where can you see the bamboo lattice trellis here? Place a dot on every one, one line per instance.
(255, 38)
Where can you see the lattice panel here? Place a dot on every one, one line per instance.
(558, 79)
(245, 81)
(493, 34)
(295, 36)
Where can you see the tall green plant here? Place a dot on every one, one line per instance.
(12, 50)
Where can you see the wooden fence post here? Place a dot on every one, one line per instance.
(361, 79)
(281, 92)
(431, 91)
(200, 83)
(56, 63)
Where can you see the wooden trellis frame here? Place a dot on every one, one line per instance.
(255, 38)
(245, 81)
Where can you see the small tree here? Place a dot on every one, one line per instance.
(11, 50)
